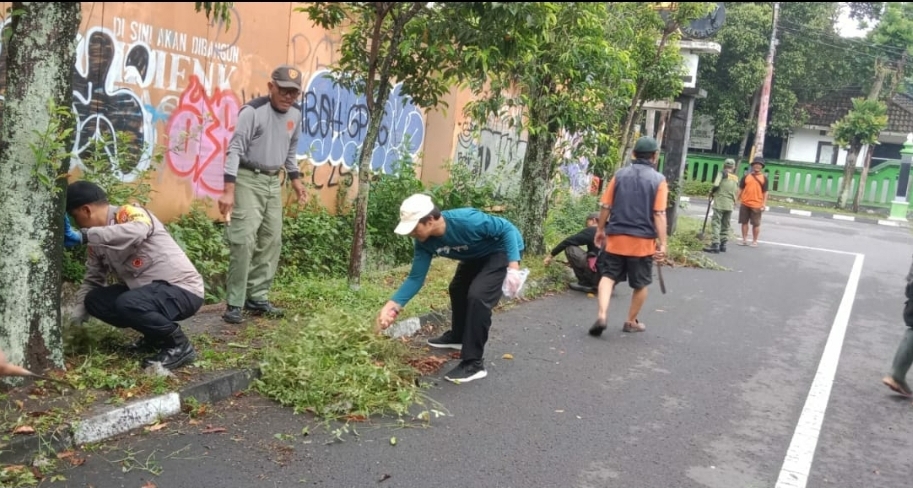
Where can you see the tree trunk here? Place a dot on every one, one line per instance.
(538, 165)
(849, 170)
(376, 116)
(39, 62)
(860, 190)
(751, 114)
(874, 92)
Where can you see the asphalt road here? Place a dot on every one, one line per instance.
(716, 392)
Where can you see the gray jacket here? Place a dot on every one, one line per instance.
(138, 249)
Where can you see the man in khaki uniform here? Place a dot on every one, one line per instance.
(160, 286)
(724, 193)
(264, 142)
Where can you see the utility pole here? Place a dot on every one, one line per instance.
(758, 147)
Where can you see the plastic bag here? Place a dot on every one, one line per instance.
(513, 283)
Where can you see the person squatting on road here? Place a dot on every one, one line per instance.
(903, 358)
(753, 198)
(634, 202)
(485, 246)
(160, 286)
(265, 140)
(583, 263)
(725, 189)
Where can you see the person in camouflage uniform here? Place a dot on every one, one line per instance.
(725, 189)
(903, 358)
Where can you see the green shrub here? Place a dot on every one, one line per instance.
(203, 240)
(315, 243)
(696, 188)
(387, 194)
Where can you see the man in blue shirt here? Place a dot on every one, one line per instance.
(486, 246)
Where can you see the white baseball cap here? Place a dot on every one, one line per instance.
(411, 211)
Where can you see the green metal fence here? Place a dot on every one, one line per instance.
(805, 180)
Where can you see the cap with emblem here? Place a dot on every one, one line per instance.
(83, 192)
(411, 211)
(287, 76)
(646, 144)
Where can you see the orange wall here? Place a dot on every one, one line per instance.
(176, 81)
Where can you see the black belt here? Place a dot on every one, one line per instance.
(259, 171)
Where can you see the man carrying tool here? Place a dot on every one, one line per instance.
(634, 203)
(160, 286)
(583, 263)
(265, 141)
(753, 198)
(723, 194)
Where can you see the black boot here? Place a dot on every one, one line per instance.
(263, 307)
(714, 248)
(723, 246)
(232, 315)
(177, 351)
(145, 344)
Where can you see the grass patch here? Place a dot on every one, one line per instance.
(684, 247)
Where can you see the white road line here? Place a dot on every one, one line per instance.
(889, 223)
(804, 213)
(848, 218)
(810, 248)
(798, 462)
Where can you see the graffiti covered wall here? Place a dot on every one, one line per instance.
(175, 81)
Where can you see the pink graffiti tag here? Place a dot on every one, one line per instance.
(199, 132)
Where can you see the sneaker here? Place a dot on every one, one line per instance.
(898, 386)
(446, 341)
(597, 328)
(467, 371)
(636, 326)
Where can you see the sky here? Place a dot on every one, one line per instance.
(847, 27)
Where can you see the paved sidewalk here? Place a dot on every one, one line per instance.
(698, 202)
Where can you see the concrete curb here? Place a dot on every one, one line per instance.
(815, 214)
(115, 421)
(111, 422)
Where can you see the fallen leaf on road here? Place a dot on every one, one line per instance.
(65, 454)
(19, 404)
(149, 484)
(455, 355)
(507, 356)
(194, 422)
(428, 364)
(393, 441)
(24, 429)
(590, 295)
(213, 430)
(384, 478)
(356, 418)
(157, 427)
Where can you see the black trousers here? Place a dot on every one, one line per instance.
(474, 290)
(152, 310)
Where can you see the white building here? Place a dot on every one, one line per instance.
(814, 142)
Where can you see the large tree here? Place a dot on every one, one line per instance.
(810, 62)
(386, 43)
(38, 49)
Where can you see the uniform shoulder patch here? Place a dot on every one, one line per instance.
(132, 213)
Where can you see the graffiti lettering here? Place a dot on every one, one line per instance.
(497, 154)
(102, 109)
(337, 173)
(335, 121)
(311, 57)
(199, 132)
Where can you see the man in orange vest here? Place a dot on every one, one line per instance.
(753, 198)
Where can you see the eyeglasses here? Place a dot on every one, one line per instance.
(289, 92)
